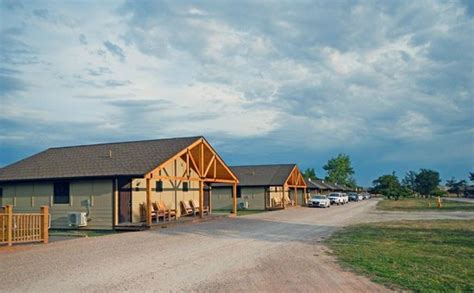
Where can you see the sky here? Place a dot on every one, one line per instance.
(390, 83)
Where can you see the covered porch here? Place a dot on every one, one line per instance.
(177, 190)
(292, 193)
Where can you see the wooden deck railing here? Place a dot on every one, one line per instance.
(23, 227)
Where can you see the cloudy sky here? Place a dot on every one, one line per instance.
(388, 82)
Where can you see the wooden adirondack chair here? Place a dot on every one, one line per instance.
(143, 212)
(195, 206)
(277, 202)
(288, 200)
(169, 213)
(160, 213)
(186, 208)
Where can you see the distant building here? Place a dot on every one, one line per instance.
(263, 187)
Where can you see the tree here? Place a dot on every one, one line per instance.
(456, 186)
(471, 176)
(427, 181)
(309, 173)
(389, 186)
(409, 181)
(339, 169)
(352, 183)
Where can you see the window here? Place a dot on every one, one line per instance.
(61, 193)
(185, 186)
(1, 195)
(239, 192)
(159, 186)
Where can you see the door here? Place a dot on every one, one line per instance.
(125, 200)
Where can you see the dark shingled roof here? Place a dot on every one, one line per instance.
(128, 159)
(316, 183)
(262, 175)
(332, 186)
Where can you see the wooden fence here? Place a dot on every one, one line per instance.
(23, 227)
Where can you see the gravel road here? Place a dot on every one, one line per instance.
(276, 251)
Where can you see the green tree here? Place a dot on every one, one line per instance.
(409, 181)
(427, 181)
(471, 176)
(309, 173)
(389, 186)
(339, 169)
(457, 186)
(352, 183)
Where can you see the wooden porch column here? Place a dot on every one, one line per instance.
(148, 202)
(115, 183)
(201, 198)
(45, 224)
(210, 198)
(296, 196)
(234, 199)
(284, 199)
(305, 196)
(9, 212)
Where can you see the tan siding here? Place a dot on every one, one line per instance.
(80, 190)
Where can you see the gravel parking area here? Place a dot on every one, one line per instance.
(276, 251)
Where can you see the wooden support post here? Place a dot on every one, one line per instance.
(148, 202)
(201, 167)
(296, 196)
(210, 198)
(9, 212)
(116, 200)
(45, 224)
(234, 199)
(305, 194)
(284, 198)
(188, 173)
(201, 198)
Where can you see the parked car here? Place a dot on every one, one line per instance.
(366, 195)
(336, 198)
(353, 196)
(360, 196)
(319, 201)
(345, 198)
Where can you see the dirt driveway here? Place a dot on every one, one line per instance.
(277, 251)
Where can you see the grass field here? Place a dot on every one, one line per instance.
(421, 204)
(422, 256)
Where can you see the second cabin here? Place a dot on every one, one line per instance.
(263, 187)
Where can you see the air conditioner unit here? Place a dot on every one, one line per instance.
(243, 205)
(77, 219)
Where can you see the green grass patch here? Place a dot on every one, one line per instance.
(422, 256)
(422, 204)
(239, 212)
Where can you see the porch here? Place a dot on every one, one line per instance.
(168, 224)
(176, 191)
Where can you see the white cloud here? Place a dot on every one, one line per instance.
(383, 74)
